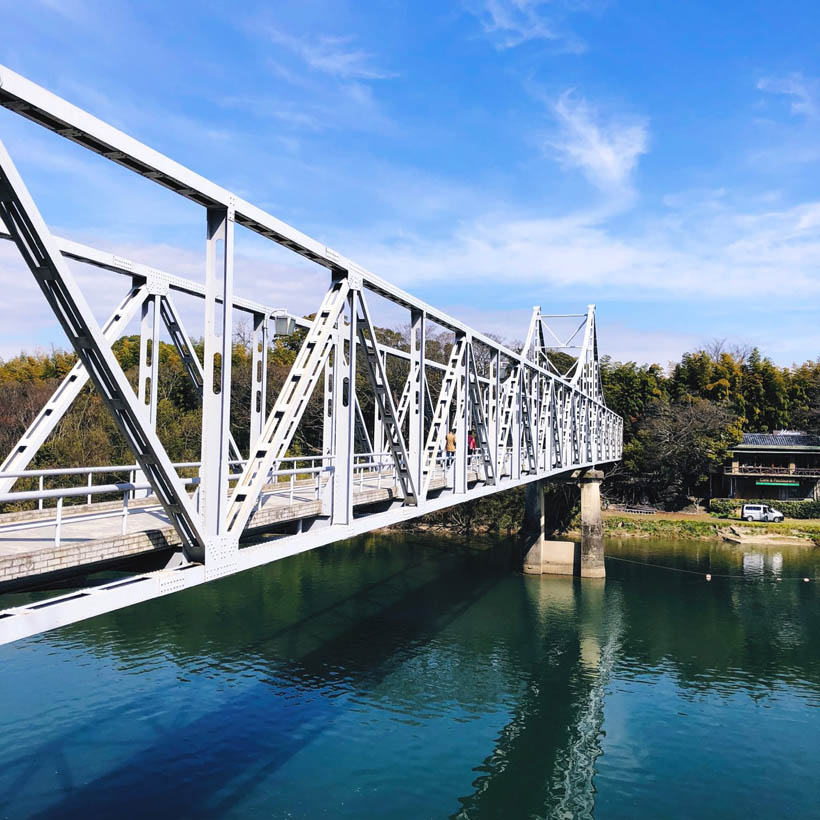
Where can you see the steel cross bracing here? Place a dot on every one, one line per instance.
(384, 399)
(40, 253)
(529, 420)
(487, 461)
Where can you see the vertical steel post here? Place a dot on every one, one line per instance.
(543, 410)
(532, 406)
(379, 437)
(494, 409)
(544, 415)
(418, 338)
(462, 422)
(517, 412)
(550, 415)
(380, 434)
(145, 330)
(327, 424)
(216, 389)
(535, 407)
(149, 363)
(155, 324)
(259, 375)
(378, 430)
(344, 391)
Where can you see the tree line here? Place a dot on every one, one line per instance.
(679, 420)
(87, 436)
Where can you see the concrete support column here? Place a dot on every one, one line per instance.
(592, 527)
(542, 556)
(546, 557)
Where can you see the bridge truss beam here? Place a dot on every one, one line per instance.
(529, 420)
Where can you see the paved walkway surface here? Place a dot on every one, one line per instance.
(93, 534)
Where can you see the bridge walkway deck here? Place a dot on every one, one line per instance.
(92, 535)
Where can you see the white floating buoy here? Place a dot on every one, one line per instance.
(806, 580)
(708, 576)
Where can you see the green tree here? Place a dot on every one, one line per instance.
(677, 445)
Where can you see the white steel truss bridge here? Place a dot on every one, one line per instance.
(517, 415)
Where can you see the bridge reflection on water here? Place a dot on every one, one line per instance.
(412, 676)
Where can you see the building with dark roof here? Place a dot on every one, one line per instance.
(781, 465)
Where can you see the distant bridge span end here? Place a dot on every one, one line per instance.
(518, 416)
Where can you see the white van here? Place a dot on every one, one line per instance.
(760, 512)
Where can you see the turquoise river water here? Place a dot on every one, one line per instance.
(417, 676)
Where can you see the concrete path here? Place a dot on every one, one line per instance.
(93, 534)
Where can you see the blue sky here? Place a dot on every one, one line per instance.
(658, 159)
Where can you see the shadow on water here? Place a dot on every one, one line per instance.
(345, 645)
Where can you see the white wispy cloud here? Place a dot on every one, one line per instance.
(348, 106)
(72, 10)
(328, 83)
(513, 22)
(803, 92)
(331, 55)
(300, 286)
(724, 252)
(606, 151)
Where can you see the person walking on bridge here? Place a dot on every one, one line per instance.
(450, 447)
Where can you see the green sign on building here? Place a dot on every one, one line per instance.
(778, 483)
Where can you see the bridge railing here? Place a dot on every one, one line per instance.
(294, 472)
(126, 489)
(42, 494)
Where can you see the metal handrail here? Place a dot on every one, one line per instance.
(125, 487)
(753, 469)
(115, 468)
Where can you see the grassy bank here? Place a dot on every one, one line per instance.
(674, 525)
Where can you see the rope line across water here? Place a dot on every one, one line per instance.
(700, 571)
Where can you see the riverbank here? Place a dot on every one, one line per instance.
(705, 526)
(701, 526)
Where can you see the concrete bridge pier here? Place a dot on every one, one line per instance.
(592, 526)
(543, 556)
